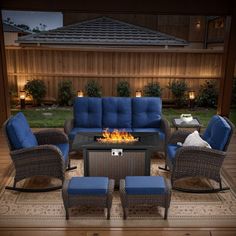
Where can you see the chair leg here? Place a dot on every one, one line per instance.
(108, 213)
(69, 167)
(166, 213)
(67, 214)
(125, 212)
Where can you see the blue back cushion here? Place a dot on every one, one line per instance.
(19, 132)
(146, 112)
(217, 133)
(88, 112)
(116, 112)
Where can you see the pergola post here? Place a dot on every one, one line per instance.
(228, 64)
(4, 91)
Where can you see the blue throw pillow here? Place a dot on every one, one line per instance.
(19, 132)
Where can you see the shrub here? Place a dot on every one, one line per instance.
(208, 94)
(178, 89)
(152, 90)
(93, 89)
(36, 89)
(65, 93)
(123, 89)
(233, 98)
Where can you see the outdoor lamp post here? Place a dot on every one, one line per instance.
(191, 95)
(138, 94)
(80, 93)
(22, 99)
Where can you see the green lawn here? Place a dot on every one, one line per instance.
(45, 117)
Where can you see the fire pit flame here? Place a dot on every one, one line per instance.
(116, 136)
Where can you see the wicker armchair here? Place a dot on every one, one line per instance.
(194, 161)
(47, 157)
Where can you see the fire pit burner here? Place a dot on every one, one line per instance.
(116, 136)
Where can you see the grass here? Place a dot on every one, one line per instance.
(55, 117)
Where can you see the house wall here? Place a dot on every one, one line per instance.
(109, 67)
(10, 37)
(185, 27)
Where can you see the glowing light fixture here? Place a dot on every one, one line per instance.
(138, 94)
(80, 93)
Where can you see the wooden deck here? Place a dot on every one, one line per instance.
(229, 171)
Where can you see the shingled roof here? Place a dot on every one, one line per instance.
(103, 31)
(12, 28)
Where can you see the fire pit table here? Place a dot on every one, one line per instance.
(118, 160)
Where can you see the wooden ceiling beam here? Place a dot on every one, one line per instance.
(171, 7)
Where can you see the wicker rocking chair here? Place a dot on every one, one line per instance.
(44, 153)
(193, 161)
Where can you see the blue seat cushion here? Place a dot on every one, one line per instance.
(19, 132)
(171, 151)
(64, 148)
(88, 185)
(75, 131)
(217, 133)
(146, 112)
(151, 130)
(117, 112)
(88, 112)
(145, 185)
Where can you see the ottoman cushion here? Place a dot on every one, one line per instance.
(145, 185)
(88, 185)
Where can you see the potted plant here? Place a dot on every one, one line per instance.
(152, 90)
(36, 89)
(123, 89)
(93, 89)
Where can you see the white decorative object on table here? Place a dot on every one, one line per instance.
(186, 117)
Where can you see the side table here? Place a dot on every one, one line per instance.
(179, 123)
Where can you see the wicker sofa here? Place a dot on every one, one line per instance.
(132, 114)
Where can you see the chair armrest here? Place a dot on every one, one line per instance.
(37, 154)
(200, 154)
(68, 125)
(165, 126)
(178, 136)
(51, 136)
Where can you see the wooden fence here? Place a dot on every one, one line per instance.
(109, 66)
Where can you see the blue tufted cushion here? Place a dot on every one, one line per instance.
(171, 151)
(217, 133)
(75, 131)
(19, 132)
(116, 112)
(64, 148)
(88, 185)
(146, 112)
(145, 185)
(88, 112)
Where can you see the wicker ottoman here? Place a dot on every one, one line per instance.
(145, 190)
(88, 191)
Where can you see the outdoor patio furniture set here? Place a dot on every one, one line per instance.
(45, 153)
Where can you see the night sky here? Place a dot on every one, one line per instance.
(32, 18)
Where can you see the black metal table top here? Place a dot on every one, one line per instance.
(146, 140)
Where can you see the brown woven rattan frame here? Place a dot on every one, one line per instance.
(43, 160)
(194, 161)
(75, 200)
(128, 200)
